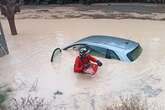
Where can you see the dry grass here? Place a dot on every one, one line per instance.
(37, 103)
(131, 103)
(28, 103)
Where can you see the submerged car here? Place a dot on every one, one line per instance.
(108, 47)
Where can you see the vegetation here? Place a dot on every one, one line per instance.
(37, 103)
(3, 95)
(130, 103)
(85, 1)
(57, 1)
(28, 103)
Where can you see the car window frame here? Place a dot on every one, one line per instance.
(98, 53)
(70, 46)
(114, 53)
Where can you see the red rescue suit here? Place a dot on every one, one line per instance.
(80, 62)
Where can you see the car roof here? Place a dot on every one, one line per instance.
(109, 42)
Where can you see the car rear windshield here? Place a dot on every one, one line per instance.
(134, 54)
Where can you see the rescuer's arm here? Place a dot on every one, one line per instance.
(78, 68)
(91, 58)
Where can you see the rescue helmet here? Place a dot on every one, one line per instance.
(83, 51)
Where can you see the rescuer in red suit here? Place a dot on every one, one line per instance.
(86, 63)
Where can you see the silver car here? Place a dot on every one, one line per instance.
(108, 47)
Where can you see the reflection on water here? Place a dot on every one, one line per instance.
(29, 70)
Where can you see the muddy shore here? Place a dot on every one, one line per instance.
(94, 11)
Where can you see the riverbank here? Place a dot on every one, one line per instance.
(94, 11)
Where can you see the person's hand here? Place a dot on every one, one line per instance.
(99, 63)
(86, 66)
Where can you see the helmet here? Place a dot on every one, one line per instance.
(83, 51)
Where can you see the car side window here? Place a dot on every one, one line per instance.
(74, 47)
(77, 47)
(110, 54)
(97, 51)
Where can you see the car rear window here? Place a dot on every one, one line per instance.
(134, 54)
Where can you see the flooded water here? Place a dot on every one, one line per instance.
(29, 71)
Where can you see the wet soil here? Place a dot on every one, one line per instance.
(94, 11)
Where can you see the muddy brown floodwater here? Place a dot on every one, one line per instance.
(29, 71)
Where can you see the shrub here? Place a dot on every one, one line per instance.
(3, 95)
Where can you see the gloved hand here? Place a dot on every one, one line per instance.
(99, 63)
(86, 66)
